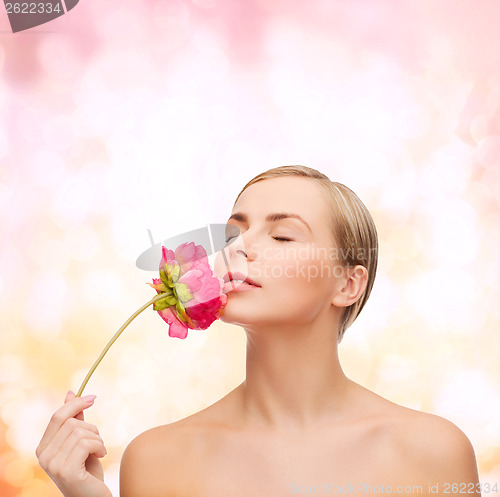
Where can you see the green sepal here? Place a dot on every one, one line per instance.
(180, 311)
(162, 304)
(182, 292)
(165, 279)
(161, 288)
(174, 272)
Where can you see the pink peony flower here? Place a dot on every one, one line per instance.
(189, 295)
(193, 294)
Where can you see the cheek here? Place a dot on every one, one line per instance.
(303, 281)
(303, 289)
(308, 272)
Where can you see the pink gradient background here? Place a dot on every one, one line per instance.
(129, 115)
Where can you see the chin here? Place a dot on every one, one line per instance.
(240, 317)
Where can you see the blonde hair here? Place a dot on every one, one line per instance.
(351, 225)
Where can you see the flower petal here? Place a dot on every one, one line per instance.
(188, 253)
(192, 278)
(177, 329)
(205, 313)
(194, 296)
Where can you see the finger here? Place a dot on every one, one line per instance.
(69, 461)
(81, 438)
(69, 410)
(78, 450)
(71, 427)
(82, 450)
(55, 454)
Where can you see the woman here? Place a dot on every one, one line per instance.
(308, 250)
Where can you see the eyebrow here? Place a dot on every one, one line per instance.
(275, 216)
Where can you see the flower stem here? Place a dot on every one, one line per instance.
(116, 335)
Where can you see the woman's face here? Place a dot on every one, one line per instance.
(297, 278)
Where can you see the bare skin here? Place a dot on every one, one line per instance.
(297, 421)
(372, 442)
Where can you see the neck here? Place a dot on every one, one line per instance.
(294, 380)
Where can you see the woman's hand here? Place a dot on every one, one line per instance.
(70, 448)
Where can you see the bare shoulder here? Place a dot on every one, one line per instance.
(419, 446)
(159, 461)
(430, 447)
(153, 463)
(441, 449)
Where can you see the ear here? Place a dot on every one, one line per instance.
(352, 286)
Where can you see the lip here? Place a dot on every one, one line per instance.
(246, 284)
(232, 287)
(239, 276)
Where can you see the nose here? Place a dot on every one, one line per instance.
(240, 246)
(236, 255)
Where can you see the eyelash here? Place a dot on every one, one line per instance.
(277, 238)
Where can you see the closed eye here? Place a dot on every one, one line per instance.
(279, 238)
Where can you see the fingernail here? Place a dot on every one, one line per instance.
(89, 398)
(70, 391)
